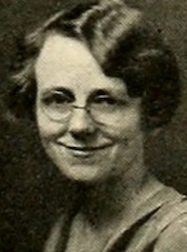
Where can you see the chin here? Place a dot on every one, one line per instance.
(88, 174)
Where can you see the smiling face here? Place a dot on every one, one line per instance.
(86, 144)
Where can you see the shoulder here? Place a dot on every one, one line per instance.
(173, 237)
(166, 229)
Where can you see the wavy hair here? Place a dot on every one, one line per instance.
(125, 46)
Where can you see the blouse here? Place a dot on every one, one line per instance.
(159, 225)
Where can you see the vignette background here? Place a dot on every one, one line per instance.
(30, 191)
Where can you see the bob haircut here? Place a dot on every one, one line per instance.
(124, 45)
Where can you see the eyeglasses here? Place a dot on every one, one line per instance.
(102, 108)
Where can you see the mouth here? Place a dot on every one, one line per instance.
(84, 150)
(78, 148)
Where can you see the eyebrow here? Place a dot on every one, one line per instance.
(108, 91)
(97, 91)
(66, 91)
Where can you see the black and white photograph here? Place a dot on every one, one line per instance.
(93, 136)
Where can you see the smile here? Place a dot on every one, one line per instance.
(84, 150)
(87, 148)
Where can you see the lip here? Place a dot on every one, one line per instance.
(84, 150)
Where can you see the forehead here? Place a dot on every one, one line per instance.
(66, 62)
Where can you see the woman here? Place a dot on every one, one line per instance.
(97, 80)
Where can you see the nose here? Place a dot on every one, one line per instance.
(81, 125)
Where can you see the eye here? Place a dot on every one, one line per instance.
(109, 100)
(56, 98)
(104, 99)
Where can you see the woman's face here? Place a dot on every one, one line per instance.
(86, 144)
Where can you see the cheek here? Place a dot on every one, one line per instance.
(128, 150)
(47, 129)
(125, 130)
(128, 138)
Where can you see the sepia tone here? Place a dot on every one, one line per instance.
(30, 193)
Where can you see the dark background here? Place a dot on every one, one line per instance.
(28, 185)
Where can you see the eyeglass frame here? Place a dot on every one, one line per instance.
(87, 108)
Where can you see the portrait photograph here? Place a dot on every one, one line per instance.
(93, 137)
